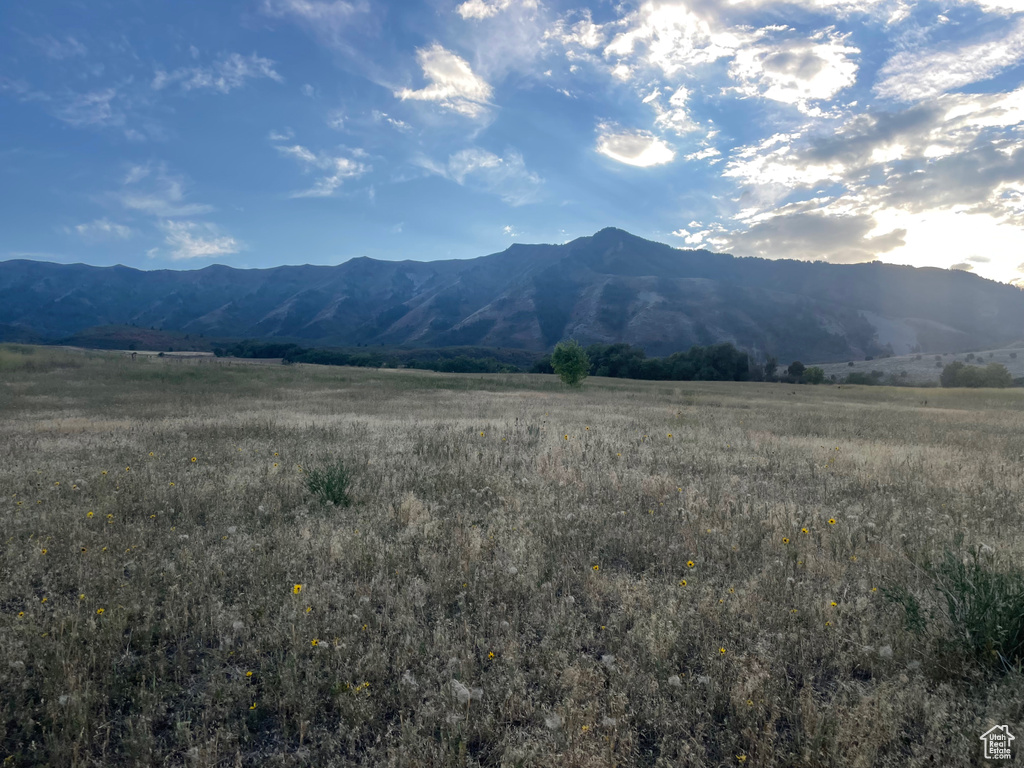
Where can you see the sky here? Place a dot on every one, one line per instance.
(254, 133)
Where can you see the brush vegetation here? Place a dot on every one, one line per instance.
(495, 570)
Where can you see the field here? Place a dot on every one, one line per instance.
(635, 574)
(924, 369)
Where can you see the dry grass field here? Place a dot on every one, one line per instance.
(635, 574)
(925, 368)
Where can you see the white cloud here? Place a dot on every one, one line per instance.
(583, 34)
(197, 240)
(675, 117)
(336, 120)
(308, 90)
(383, 117)
(67, 48)
(484, 9)
(332, 21)
(703, 154)
(1002, 6)
(506, 177)
(671, 37)
(795, 71)
(151, 189)
(92, 109)
(230, 72)
(286, 135)
(919, 74)
(691, 238)
(452, 83)
(103, 229)
(638, 148)
(335, 169)
(812, 230)
(510, 231)
(838, 7)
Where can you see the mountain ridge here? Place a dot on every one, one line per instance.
(605, 288)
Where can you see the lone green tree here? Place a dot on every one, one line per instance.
(796, 369)
(570, 362)
(814, 375)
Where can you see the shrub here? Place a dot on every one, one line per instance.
(875, 377)
(913, 614)
(570, 362)
(985, 607)
(543, 365)
(328, 479)
(814, 375)
(957, 374)
(796, 369)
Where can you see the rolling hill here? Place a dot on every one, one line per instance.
(609, 287)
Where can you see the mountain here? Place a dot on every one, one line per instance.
(610, 287)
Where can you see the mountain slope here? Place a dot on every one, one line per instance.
(609, 287)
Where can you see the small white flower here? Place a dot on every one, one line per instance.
(675, 681)
(553, 722)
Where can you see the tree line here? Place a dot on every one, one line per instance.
(718, 362)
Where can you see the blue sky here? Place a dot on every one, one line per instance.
(254, 133)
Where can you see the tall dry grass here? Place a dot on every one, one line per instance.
(638, 574)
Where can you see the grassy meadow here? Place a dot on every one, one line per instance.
(634, 574)
(924, 369)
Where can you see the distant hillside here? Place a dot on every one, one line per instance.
(132, 337)
(610, 287)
